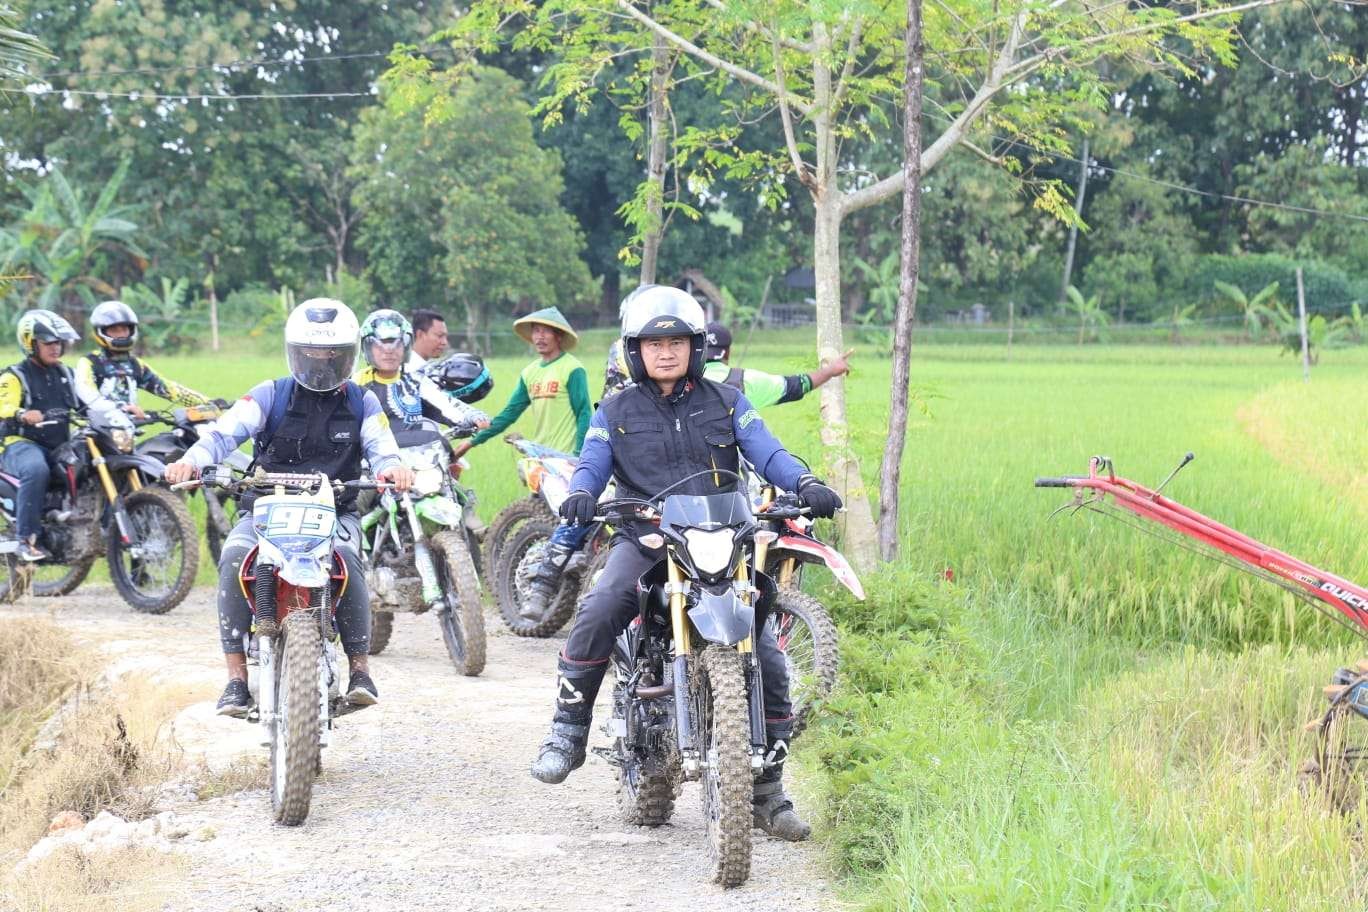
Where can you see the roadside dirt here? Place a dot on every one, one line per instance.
(425, 801)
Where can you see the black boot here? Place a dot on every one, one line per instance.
(564, 748)
(772, 810)
(545, 582)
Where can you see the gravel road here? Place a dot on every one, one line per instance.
(425, 801)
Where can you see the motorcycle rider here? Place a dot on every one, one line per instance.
(29, 390)
(764, 389)
(408, 396)
(668, 426)
(313, 420)
(115, 373)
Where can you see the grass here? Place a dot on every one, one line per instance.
(1087, 719)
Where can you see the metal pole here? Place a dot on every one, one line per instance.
(1011, 324)
(1301, 317)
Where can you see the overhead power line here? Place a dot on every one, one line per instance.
(139, 94)
(230, 64)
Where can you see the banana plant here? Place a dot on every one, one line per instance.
(159, 313)
(1091, 317)
(1255, 310)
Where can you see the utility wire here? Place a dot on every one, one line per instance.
(230, 64)
(138, 94)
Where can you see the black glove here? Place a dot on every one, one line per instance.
(221, 403)
(578, 508)
(817, 497)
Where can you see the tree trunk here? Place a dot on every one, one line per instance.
(1073, 229)
(655, 162)
(890, 472)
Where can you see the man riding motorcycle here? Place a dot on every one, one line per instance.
(409, 397)
(671, 424)
(314, 420)
(115, 373)
(29, 390)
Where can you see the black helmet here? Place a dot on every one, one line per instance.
(656, 311)
(462, 375)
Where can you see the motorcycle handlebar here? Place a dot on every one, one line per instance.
(1064, 481)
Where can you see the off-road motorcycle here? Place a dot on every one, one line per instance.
(170, 445)
(100, 499)
(419, 551)
(688, 694)
(293, 579)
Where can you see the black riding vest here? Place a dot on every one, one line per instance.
(318, 433)
(657, 441)
(45, 388)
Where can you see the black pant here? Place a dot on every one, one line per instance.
(610, 607)
(353, 609)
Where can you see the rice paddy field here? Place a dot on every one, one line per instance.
(1085, 718)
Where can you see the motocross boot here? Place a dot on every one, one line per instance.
(545, 583)
(564, 748)
(772, 810)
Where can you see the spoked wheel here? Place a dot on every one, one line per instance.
(16, 578)
(513, 575)
(647, 786)
(294, 740)
(382, 628)
(1338, 768)
(48, 579)
(461, 616)
(722, 729)
(154, 572)
(592, 571)
(212, 536)
(508, 520)
(806, 637)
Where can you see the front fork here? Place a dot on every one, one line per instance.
(121, 521)
(422, 554)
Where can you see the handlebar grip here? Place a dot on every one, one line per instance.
(1066, 481)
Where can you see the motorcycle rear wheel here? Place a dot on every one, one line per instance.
(807, 639)
(645, 794)
(507, 522)
(722, 726)
(520, 557)
(294, 740)
(462, 615)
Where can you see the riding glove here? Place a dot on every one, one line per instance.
(578, 508)
(817, 497)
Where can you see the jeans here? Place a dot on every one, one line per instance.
(353, 609)
(28, 462)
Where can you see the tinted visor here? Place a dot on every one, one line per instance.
(321, 368)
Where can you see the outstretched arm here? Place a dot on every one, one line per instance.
(169, 390)
(517, 404)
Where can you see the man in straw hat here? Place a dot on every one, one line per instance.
(554, 387)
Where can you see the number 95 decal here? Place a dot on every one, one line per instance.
(296, 519)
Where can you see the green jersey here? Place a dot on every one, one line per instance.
(557, 394)
(761, 389)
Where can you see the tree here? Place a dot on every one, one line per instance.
(465, 202)
(19, 50)
(828, 71)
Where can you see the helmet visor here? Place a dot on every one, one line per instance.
(321, 368)
(662, 312)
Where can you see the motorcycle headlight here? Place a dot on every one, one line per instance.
(711, 551)
(427, 481)
(123, 439)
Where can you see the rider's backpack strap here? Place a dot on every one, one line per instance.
(736, 377)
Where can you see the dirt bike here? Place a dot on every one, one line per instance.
(688, 695)
(419, 551)
(518, 536)
(169, 446)
(804, 630)
(292, 579)
(99, 499)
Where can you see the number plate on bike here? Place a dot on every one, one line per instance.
(288, 520)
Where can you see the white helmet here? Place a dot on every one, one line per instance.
(112, 313)
(661, 310)
(321, 344)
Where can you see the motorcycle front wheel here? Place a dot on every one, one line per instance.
(461, 615)
(722, 724)
(155, 571)
(294, 738)
(806, 637)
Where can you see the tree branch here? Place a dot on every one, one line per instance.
(756, 28)
(786, 117)
(843, 81)
(711, 59)
(893, 184)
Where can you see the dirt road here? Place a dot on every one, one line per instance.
(425, 802)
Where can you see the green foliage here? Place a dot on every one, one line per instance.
(1329, 289)
(159, 315)
(1254, 309)
(1091, 317)
(461, 205)
(19, 50)
(70, 248)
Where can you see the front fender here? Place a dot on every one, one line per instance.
(722, 617)
(835, 561)
(439, 510)
(140, 461)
